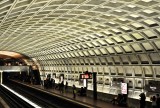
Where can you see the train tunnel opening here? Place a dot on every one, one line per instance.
(6, 75)
(32, 77)
(19, 67)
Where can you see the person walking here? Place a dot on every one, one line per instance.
(74, 91)
(142, 100)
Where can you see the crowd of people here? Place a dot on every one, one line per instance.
(50, 83)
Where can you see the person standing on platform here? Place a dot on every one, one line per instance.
(153, 99)
(74, 91)
(158, 101)
(66, 86)
(142, 100)
(53, 84)
(61, 87)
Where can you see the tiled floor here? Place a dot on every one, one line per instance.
(84, 100)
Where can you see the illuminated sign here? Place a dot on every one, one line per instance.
(124, 88)
(86, 76)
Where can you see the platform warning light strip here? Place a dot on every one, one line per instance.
(22, 97)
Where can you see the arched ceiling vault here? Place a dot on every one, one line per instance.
(57, 29)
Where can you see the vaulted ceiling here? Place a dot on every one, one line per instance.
(81, 28)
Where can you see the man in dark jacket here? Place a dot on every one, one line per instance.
(142, 100)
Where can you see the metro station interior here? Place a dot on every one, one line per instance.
(119, 40)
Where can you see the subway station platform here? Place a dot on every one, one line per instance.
(80, 99)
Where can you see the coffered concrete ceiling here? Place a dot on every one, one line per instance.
(81, 28)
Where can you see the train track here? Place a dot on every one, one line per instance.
(13, 100)
(31, 95)
(43, 99)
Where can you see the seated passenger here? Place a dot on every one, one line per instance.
(116, 100)
(82, 92)
(85, 91)
(123, 100)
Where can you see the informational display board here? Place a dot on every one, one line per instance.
(86, 76)
(153, 86)
(124, 88)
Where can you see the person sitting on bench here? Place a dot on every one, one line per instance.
(117, 99)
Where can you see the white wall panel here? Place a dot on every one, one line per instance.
(95, 69)
(100, 69)
(76, 69)
(106, 70)
(80, 69)
(90, 69)
(113, 70)
(85, 68)
(157, 70)
(138, 83)
(129, 70)
(148, 71)
(138, 70)
(120, 70)
(107, 80)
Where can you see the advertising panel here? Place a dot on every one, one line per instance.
(124, 88)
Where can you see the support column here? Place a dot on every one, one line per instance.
(95, 85)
